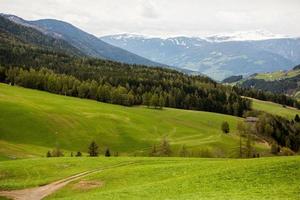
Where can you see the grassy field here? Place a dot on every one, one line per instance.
(275, 109)
(160, 178)
(32, 122)
(278, 75)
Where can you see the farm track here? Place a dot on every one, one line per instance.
(38, 193)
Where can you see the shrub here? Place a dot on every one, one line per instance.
(225, 127)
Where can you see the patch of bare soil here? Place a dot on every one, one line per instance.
(87, 185)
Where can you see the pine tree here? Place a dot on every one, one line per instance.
(107, 153)
(225, 127)
(48, 154)
(165, 149)
(93, 149)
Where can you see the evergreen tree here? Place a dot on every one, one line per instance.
(48, 154)
(225, 127)
(107, 152)
(165, 149)
(93, 149)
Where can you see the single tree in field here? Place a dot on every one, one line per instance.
(48, 154)
(165, 149)
(225, 127)
(107, 152)
(71, 154)
(78, 154)
(93, 149)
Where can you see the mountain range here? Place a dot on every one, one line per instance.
(218, 56)
(78, 40)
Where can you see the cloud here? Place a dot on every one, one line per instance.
(165, 17)
(148, 9)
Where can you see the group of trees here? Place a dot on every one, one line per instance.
(196, 94)
(281, 133)
(246, 142)
(284, 132)
(93, 151)
(163, 149)
(267, 96)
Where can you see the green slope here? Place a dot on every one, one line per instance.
(31, 122)
(277, 75)
(161, 178)
(274, 108)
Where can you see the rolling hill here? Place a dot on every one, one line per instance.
(218, 56)
(280, 82)
(45, 121)
(275, 109)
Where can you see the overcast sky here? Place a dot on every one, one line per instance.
(165, 17)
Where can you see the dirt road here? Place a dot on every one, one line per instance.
(38, 193)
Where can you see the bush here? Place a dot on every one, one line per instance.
(57, 153)
(78, 154)
(225, 127)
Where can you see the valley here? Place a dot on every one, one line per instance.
(89, 113)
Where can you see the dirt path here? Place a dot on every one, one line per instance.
(38, 193)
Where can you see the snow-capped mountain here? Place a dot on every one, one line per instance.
(218, 56)
(255, 35)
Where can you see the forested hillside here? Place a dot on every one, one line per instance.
(112, 82)
(14, 33)
(279, 82)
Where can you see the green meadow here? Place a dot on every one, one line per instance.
(274, 108)
(33, 122)
(160, 178)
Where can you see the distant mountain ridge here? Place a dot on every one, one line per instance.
(280, 82)
(86, 43)
(218, 56)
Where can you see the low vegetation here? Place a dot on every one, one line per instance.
(160, 178)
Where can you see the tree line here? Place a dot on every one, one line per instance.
(166, 94)
(267, 96)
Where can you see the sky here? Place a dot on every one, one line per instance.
(165, 18)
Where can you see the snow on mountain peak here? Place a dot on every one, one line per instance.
(244, 36)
